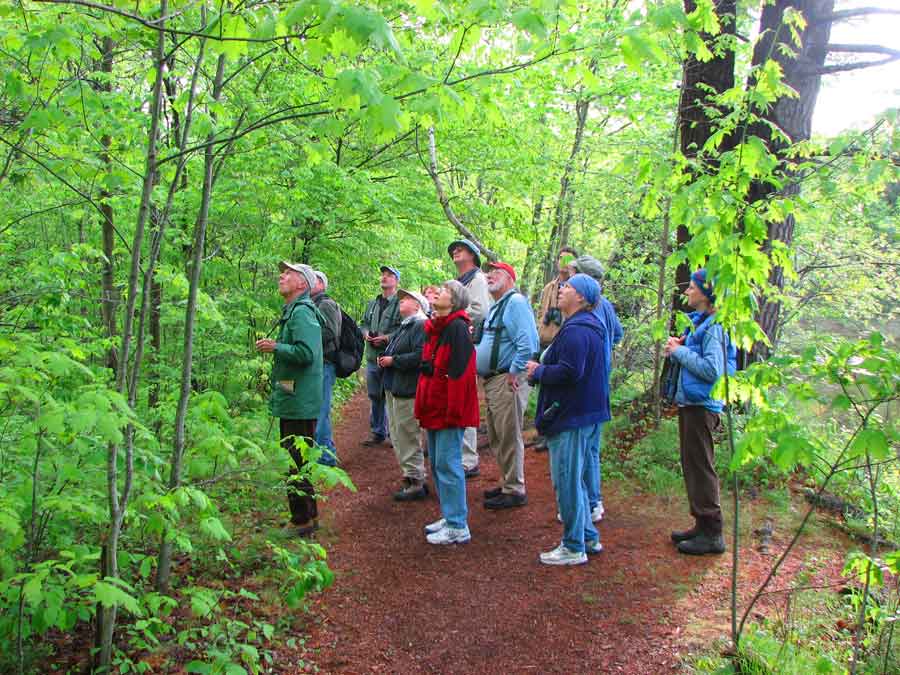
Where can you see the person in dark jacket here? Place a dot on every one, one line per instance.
(380, 320)
(573, 401)
(297, 384)
(699, 352)
(331, 343)
(400, 361)
(447, 403)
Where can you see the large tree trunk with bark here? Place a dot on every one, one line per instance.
(701, 81)
(802, 66)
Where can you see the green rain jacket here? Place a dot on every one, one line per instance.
(297, 369)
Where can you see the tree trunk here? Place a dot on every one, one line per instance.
(109, 299)
(165, 551)
(562, 213)
(802, 65)
(106, 621)
(700, 81)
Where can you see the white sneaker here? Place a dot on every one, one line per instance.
(436, 526)
(450, 535)
(593, 547)
(563, 556)
(596, 514)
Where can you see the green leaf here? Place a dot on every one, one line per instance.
(530, 21)
(109, 595)
(198, 667)
(873, 441)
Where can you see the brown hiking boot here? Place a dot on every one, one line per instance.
(411, 490)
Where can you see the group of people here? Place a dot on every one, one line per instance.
(427, 354)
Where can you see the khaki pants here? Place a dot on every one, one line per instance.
(505, 412)
(405, 436)
(470, 448)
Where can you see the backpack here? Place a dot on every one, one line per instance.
(351, 345)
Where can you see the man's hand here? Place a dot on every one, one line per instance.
(380, 340)
(265, 345)
(530, 367)
(385, 361)
(512, 381)
(672, 344)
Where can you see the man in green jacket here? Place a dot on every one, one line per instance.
(297, 383)
(381, 319)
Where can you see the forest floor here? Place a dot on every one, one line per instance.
(400, 605)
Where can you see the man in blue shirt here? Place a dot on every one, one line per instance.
(508, 341)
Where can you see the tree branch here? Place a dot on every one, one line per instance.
(445, 201)
(847, 14)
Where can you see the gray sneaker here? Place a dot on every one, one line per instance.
(562, 555)
(593, 547)
(450, 535)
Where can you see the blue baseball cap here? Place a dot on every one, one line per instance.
(392, 270)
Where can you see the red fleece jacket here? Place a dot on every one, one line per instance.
(446, 395)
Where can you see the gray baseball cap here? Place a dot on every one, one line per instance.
(418, 297)
(309, 274)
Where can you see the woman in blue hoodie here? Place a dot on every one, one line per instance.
(572, 403)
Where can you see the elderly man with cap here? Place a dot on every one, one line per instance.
(573, 402)
(400, 361)
(297, 384)
(330, 314)
(380, 320)
(468, 269)
(508, 341)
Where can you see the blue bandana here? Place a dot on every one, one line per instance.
(587, 287)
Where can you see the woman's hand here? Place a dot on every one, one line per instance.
(672, 344)
(530, 367)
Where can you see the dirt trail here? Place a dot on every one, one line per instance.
(400, 605)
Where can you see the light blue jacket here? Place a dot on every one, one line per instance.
(606, 313)
(702, 363)
(518, 336)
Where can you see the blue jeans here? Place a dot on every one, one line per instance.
(445, 456)
(569, 466)
(378, 421)
(323, 423)
(595, 469)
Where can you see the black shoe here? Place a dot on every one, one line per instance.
(493, 492)
(684, 535)
(411, 490)
(540, 444)
(373, 440)
(471, 473)
(307, 528)
(505, 501)
(702, 544)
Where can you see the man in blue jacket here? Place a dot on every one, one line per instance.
(508, 341)
(573, 402)
(700, 354)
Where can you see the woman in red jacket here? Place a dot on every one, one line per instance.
(447, 403)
